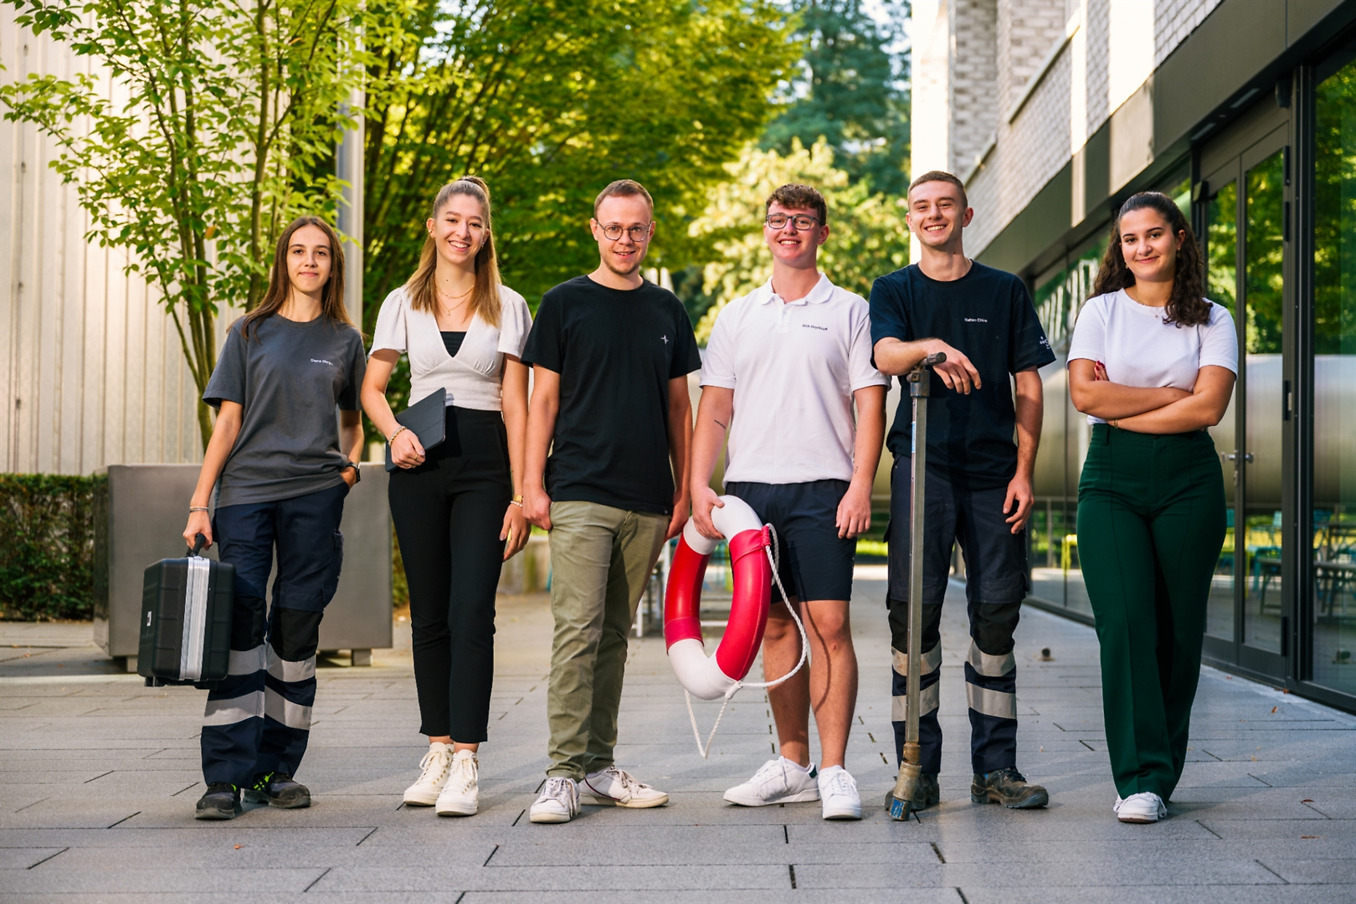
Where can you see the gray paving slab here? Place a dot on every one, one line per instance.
(98, 775)
(1146, 891)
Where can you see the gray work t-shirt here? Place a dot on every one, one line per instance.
(288, 377)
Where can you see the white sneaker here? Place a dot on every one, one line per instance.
(616, 786)
(432, 776)
(838, 790)
(559, 801)
(1145, 806)
(778, 781)
(461, 794)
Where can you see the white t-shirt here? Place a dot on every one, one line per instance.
(1139, 349)
(793, 367)
(472, 378)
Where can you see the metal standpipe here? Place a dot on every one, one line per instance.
(911, 769)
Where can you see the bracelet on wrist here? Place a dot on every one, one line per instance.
(516, 501)
(399, 430)
(196, 508)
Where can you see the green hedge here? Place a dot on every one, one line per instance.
(46, 546)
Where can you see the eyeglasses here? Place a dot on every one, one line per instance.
(614, 231)
(801, 221)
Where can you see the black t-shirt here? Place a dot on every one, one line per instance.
(987, 314)
(616, 351)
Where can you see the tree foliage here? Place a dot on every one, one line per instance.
(218, 128)
(867, 233)
(851, 89)
(549, 100)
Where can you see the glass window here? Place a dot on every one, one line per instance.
(1334, 422)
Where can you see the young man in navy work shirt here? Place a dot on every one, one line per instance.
(978, 483)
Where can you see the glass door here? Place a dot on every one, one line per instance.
(1331, 626)
(1245, 220)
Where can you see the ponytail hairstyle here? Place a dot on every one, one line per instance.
(485, 296)
(280, 284)
(1186, 304)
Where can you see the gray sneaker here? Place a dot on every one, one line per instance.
(1009, 788)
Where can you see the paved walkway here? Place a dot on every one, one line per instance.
(98, 777)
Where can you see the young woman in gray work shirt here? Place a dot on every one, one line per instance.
(1152, 364)
(281, 471)
(457, 507)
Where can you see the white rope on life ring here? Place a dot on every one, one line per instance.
(717, 675)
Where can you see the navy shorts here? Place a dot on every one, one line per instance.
(995, 558)
(814, 563)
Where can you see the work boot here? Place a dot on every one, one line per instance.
(278, 790)
(222, 801)
(1009, 788)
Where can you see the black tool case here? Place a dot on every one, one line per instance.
(186, 620)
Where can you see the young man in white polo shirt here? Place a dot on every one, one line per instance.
(783, 369)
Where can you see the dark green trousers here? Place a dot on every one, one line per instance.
(1150, 528)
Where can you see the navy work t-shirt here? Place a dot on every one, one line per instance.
(986, 314)
(615, 351)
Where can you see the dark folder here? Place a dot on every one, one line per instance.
(427, 419)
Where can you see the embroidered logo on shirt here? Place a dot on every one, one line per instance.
(815, 326)
(975, 320)
(322, 361)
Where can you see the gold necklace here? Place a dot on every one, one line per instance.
(450, 295)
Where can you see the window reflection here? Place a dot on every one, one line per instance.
(1334, 424)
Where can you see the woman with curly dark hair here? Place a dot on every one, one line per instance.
(1152, 363)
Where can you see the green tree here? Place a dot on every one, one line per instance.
(851, 89)
(221, 129)
(867, 233)
(549, 100)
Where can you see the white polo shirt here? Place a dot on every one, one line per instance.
(793, 367)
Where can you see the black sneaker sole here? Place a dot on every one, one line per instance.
(1034, 802)
(256, 797)
(217, 815)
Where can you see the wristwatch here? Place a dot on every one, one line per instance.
(357, 471)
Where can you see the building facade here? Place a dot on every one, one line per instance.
(1055, 111)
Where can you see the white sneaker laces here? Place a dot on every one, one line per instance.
(558, 789)
(434, 765)
(840, 782)
(464, 773)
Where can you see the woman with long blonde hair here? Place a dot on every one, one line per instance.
(457, 507)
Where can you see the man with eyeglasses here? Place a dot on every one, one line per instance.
(610, 353)
(783, 369)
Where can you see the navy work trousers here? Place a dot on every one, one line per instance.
(258, 719)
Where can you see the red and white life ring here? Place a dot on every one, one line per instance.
(711, 677)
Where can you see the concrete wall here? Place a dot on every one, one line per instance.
(1029, 82)
(91, 371)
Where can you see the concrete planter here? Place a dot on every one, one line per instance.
(527, 572)
(139, 513)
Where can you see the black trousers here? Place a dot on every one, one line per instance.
(448, 513)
